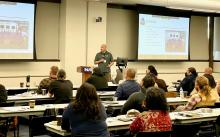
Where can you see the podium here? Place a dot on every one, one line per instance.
(86, 72)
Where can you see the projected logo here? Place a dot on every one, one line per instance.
(13, 34)
(175, 41)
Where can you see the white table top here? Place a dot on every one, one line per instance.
(18, 88)
(39, 109)
(114, 123)
(25, 97)
(104, 94)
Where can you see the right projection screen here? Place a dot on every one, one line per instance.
(163, 37)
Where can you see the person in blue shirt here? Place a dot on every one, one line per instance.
(86, 115)
(128, 87)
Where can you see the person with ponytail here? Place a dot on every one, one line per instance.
(203, 97)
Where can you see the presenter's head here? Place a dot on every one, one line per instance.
(53, 72)
(103, 48)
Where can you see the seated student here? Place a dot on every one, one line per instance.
(44, 84)
(160, 82)
(212, 85)
(203, 97)
(157, 117)
(97, 79)
(61, 89)
(3, 94)
(129, 86)
(188, 83)
(86, 115)
(135, 101)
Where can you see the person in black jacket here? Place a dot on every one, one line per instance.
(3, 94)
(61, 89)
(188, 83)
(97, 79)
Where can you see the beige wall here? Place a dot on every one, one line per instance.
(96, 30)
(122, 32)
(47, 30)
(19, 70)
(199, 38)
(47, 25)
(122, 41)
(80, 38)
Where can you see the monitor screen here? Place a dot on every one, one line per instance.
(163, 37)
(17, 30)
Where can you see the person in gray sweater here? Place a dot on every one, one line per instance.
(135, 100)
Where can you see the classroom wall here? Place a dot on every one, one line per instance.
(46, 32)
(122, 41)
(80, 37)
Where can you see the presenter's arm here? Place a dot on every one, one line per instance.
(99, 61)
(110, 64)
(111, 61)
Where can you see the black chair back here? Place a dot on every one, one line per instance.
(44, 101)
(186, 130)
(37, 128)
(7, 104)
(154, 134)
(11, 92)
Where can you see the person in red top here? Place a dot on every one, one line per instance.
(157, 117)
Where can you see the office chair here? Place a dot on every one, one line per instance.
(154, 134)
(7, 122)
(186, 130)
(37, 128)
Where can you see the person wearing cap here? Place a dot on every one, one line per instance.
(61, 89)
(44, 84)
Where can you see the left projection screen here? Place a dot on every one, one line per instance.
(17, 30)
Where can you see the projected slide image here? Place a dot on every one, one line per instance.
(175, 41)
(13, 34)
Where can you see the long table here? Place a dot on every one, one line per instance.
(22, 98)
(39, 109)
(25, 97)
(114, 123)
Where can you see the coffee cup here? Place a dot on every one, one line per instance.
(59, 120)
(114, 98)
(43, 91)
(31, 103)
(21, 84)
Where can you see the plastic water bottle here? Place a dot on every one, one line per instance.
(181, 93)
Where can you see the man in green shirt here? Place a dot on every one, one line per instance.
(104, 60)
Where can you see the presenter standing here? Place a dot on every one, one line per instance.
(104, 60)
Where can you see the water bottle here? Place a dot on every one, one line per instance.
(28, 81)
(181, 93)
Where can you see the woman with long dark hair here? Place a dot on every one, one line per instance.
(86, 115)
(157, 117)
